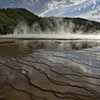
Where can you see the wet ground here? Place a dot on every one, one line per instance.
(49, 70)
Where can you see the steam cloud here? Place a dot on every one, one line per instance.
(61, 28)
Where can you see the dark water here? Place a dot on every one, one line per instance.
(22, 47)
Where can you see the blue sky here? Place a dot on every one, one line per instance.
(71, 8)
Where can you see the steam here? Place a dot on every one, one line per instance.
(21, 28)
(57, 27)
(63, 30)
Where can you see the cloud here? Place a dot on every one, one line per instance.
(94, 2)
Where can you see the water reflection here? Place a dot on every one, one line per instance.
(14, 48)
(22, 47)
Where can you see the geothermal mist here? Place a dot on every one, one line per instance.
(62, 30)
(63, 37)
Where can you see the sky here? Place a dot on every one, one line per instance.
(89, 9)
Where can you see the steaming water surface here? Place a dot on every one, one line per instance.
(53, 36)
(15, 47)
